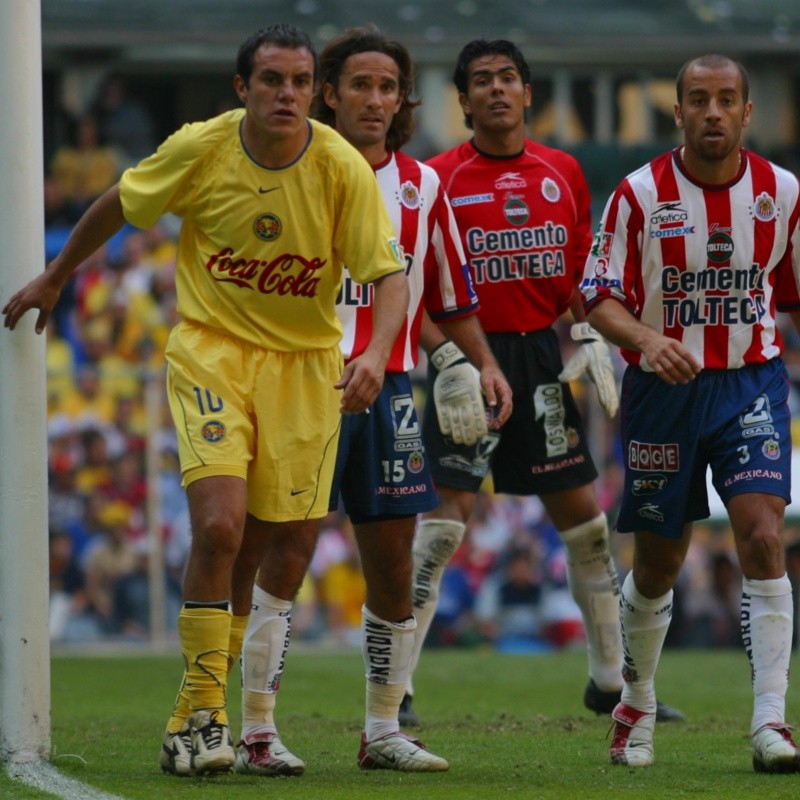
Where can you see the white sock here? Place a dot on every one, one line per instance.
(266, 641)
(594, 585)
(644, 627)
(386, 648)
(767, 613)
(434, 544)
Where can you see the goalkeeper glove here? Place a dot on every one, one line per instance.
(458, 396)
(593, 357)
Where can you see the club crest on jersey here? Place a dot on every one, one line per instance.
(550, 190)
(267, 227)
(409, 196)
(213, 431)
(415, 462)
(771, 450)
(764, 208)
(516, 211)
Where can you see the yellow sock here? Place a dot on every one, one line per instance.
(238, 627)
(205, 635)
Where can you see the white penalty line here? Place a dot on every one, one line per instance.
(44, 776)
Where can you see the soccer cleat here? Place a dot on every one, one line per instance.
(633, 737)
(602, 702)
(212, 747)
(407, 717)
(774, 750)
(398, 751)
(176, 753)
(267, 756)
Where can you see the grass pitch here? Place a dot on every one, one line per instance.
(511, 727)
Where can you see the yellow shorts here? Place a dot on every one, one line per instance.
(267, 416)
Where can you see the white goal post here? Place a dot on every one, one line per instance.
(24, 631)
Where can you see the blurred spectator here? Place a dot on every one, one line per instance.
(131, 597)
(342, 592)
(127, 484)
(83, 170)
(562, 621)
(69, 620)
(60, 366)
(88, 405)
(508, 606)
(454, 623)
(56, 213)
(110, 557)
(708, 594)
(124, 122)
(94, 473)
(89, 528)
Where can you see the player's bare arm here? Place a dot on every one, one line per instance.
(103, 219)
(468, 335)
(668, 358)
(363, 376)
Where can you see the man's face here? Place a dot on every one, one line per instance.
(496, 96)
(712, 112)
(279, 93)
(366, 99)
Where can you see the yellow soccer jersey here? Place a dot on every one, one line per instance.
(261, 250)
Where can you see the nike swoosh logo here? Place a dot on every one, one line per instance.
(298, 491)
(262, 190)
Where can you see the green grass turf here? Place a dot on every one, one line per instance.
(511, 727)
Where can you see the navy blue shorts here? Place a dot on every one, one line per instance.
(736, 421)
(382, 468)
(542, 448)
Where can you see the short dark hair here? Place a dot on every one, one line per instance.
(478, 48)
(281, 35)
(368, 39)
(712, 60)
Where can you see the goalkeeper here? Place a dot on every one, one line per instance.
(523, 213)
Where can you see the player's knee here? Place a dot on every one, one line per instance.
(436, 540)
(587, 541)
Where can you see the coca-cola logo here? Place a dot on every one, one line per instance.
(287, 273)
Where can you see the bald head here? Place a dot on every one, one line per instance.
(712, 61)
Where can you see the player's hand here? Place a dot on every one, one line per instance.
(40, 293)
(594, 358)
(670, 360)
(457, 396)
(361, 381)
(498, 396)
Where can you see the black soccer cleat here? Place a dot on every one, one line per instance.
(595, 699)
(406, 716)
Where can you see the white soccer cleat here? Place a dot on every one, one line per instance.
(774, 750)
(212, 747)
(398, 751)
(632, 744)
(267, 756)
(176, 753)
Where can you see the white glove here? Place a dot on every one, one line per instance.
(593, 356)
(458, 396)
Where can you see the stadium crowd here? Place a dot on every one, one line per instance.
(506, 585)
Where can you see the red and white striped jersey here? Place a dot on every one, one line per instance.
(525, 222)
(438, 278)
(706, 265)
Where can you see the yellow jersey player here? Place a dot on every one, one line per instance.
(273, 204)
